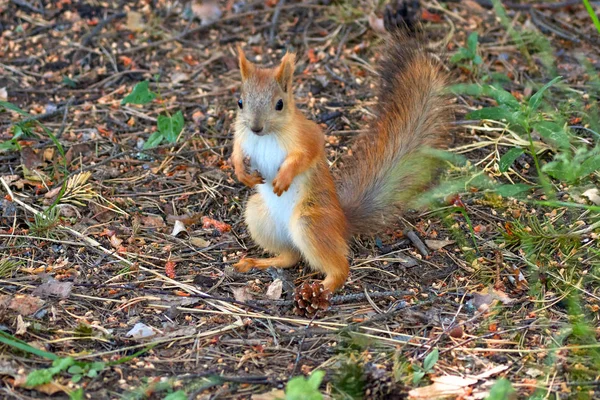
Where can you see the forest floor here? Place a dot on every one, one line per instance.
(120, 222)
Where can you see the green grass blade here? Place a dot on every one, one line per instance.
(17, 344)
(593, 15)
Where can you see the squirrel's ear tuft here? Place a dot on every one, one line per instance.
(246, 67)
(285, 71)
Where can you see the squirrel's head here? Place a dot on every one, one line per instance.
(266, 104)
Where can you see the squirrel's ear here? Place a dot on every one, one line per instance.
(285, 71)
(246, 67)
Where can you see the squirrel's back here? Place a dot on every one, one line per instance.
(389, 166)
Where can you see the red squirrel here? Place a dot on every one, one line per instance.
(299, 211)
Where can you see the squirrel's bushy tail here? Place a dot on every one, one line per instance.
(389, 165)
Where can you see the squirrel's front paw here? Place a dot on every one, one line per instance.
(252, 179)
(282, 183)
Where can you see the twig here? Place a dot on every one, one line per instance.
(24, 4)
(417, 242)
(274, 23)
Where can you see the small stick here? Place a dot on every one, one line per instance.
(274, 23)
(417, 242)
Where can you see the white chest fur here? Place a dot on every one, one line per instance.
(266, 156)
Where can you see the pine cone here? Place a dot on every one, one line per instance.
(309, 298)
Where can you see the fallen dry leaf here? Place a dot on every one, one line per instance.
(242, 294)
(207, 11)
(489, 296)
(21, 326)
(135, 21)
(592, 195)
(443, 386)
(178, 77)
(178, 228)
(274, 394)
(438, 244)
(47, 388)
(199, 242)
(3, 94)
(275, 289)
(152, 221)
(54, 288)
(25, 304)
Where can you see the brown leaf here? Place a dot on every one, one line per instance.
(25, 304)
(21, 326)
(489, 296)
(443, 386)
(135, 22)
(54, 288)
(274, 394)
(115, 241)
(438, 244)
(47, 388)
(242, 294)
(30, 158)
(199, 242)
(152, 221)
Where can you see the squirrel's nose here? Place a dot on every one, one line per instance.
(257, 129)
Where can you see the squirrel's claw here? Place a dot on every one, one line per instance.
(252, 179)
(280, 186)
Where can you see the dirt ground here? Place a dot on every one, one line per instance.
(131, 267)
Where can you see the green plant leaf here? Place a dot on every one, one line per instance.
(509, 158)
(140, 94)
(535, 100)
(39, 377)
(98, 365)
(553, 133)
(10, 145)
(316, 378)
(299, 388)
(170, 127)
(590, 165)
(501, 390)
(493, 113)
(92, 373)
(477, 60)
(76, 378)
(76, 394)
(430, 360)
(75, 369)
(154, 140)
(472, 42)
(512, 190)
(461, 54)
(62, 364)
(417, 376)
(178, 395)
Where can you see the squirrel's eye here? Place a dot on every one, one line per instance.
(279, 105)
(240, 104)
